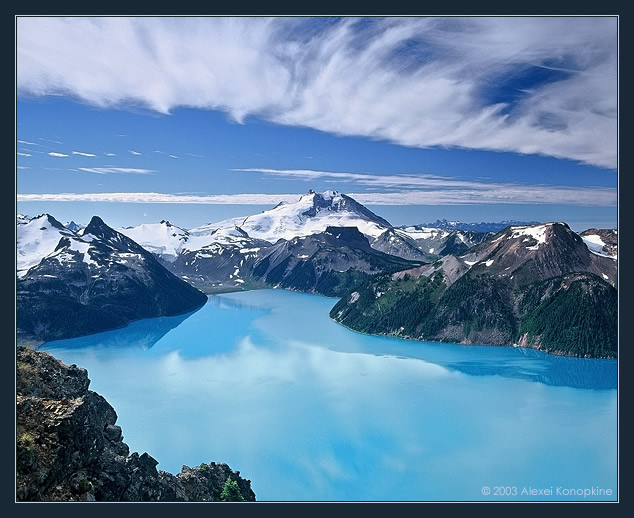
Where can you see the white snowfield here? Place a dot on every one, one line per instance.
(537, 232)
(417, 233)
(158, 238)
(287, 220)
(595, 244)
(38, 238)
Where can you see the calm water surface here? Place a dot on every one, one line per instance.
(310, 411)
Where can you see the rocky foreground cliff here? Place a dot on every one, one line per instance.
(69, 447)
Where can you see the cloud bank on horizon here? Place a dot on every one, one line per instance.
(537, 85)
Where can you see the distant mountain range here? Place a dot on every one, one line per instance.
(478, 227)
(431, 278)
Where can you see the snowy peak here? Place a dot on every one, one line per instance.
(97, 229)
(526, 254)
(312, 214)
(75, 227)
(162, 239)
(36, 238)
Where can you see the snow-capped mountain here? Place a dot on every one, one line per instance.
(434, 242)
(219, 259)
(312, 214)
(531, 253)
(163, 239)
(90, 282)
(36, 238)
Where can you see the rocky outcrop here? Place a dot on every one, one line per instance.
(69, 447)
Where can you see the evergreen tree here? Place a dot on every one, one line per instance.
(231, 492)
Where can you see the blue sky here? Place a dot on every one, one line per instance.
(200, 119)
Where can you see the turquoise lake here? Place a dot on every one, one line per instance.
(311, 411)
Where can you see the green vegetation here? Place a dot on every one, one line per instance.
(231, 492)
(401, 307)
(25, 452)
(84, 486)
(478, 304)
(575, 314)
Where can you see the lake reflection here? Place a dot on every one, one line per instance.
(309, 410)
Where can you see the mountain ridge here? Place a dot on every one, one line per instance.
(94, 281)
(534, 286)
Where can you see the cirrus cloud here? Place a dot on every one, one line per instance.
(535, 85)
(116, 170)
(476, 195)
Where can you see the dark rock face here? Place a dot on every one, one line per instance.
(220, 267)
(328, 263)
(70, 449)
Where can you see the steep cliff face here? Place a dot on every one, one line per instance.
(69, 448)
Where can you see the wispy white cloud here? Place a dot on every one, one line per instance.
(110, 154)
(136, 153)
(498, 194)
(23, 167)
(27, 143)
(49, 140)
(55, 153)
(152, 197)
(80, 153)
(116, 170)
(386, 181)
(172, 156)
(24, 154)
(195, 155)
(430, 189)
(416, 81)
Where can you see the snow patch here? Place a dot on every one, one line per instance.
(595, 244)
(489, 262)
(536, 232)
